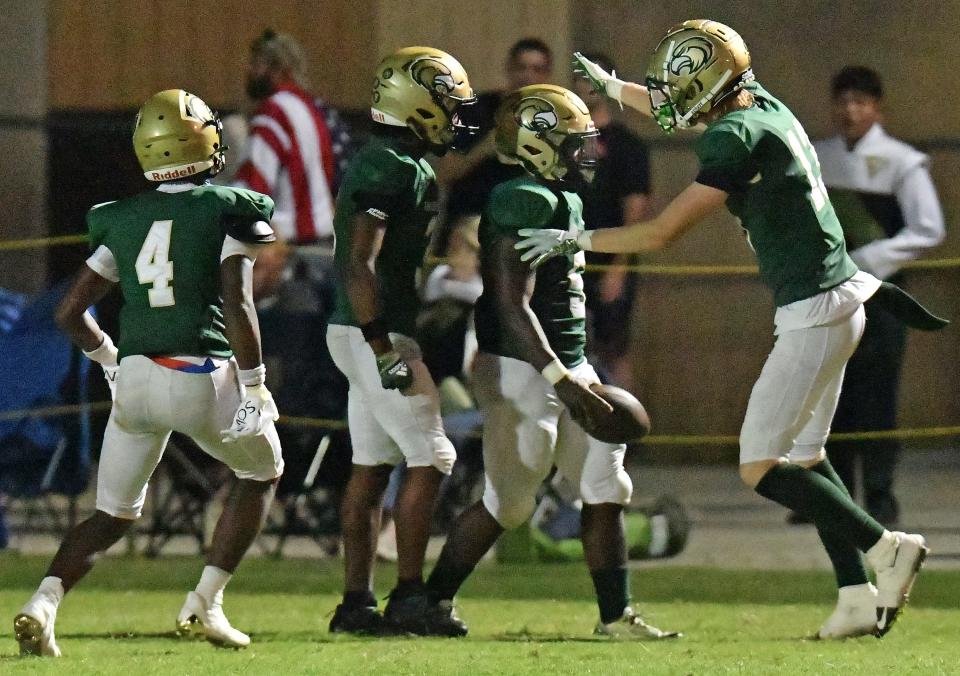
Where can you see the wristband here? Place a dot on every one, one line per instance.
(614, 89)
(104, 354)
(374, 329)
(253, 377)
(554, 372)
(585, 240)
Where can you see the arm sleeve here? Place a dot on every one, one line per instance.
(236, 247)
(104, 264)
(725, 162)
(525, 206)
(96, 226)
(923, 229)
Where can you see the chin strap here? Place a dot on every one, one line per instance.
(906, 308)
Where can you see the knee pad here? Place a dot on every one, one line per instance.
(616, 489)
(510, 513)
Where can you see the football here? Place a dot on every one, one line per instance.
(627, 423)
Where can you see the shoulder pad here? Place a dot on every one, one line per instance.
(247, 230)
(523, 204)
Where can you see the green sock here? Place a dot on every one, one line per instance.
(846, 559)
(818, 499)
(613, 592)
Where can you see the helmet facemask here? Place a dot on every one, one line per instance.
(462, 119)
(578, 155)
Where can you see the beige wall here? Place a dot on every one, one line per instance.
(115, 53)
(23, 140)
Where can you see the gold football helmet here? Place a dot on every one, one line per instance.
(177, 136)
(549, 130)
(696, 65)
(426, 90)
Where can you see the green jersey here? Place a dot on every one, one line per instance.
(558, 299)
(762, 157)
(400, 190)
(166, 244)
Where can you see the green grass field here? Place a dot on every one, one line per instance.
(523, 620)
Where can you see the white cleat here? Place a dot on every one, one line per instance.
(631, 627)
(33, 627)
(855, 614)
(212, 622)
(895, 581)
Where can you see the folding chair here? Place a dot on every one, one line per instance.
(41, 457)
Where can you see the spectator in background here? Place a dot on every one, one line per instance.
(289, 154)
(445, 324)
(618, 195)
(470, 178)
(888, 207)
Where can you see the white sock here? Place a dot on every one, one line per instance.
(851, 594)
(211, 585)
(52, 588)
(884, 552)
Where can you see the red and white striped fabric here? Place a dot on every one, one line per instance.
(289, 156)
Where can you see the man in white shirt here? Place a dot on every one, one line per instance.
(888, 207)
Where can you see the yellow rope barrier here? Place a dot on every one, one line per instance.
(41, 242)
(644, 269)
(653, 439)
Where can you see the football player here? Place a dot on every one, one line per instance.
(386, 204)
(756, 158)
(531, 378)
(188, 358)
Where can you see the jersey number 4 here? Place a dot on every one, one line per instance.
(807, 157)
(154, 265)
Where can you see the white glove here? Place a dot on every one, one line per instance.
(255, 412)
(542, 245)
(105, 354)
(603, 82)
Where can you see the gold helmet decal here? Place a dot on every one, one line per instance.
(194, 108)
(537, 115)
(433, 76)
(690, 56)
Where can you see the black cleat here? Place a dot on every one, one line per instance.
(417, 614)
(361, 620)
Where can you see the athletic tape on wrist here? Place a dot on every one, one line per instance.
(253, 377)
(614, 89)
(554, 372)
(105, 353)
(374, 329)
(585, 240)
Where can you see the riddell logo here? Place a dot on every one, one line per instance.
(173, 173)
